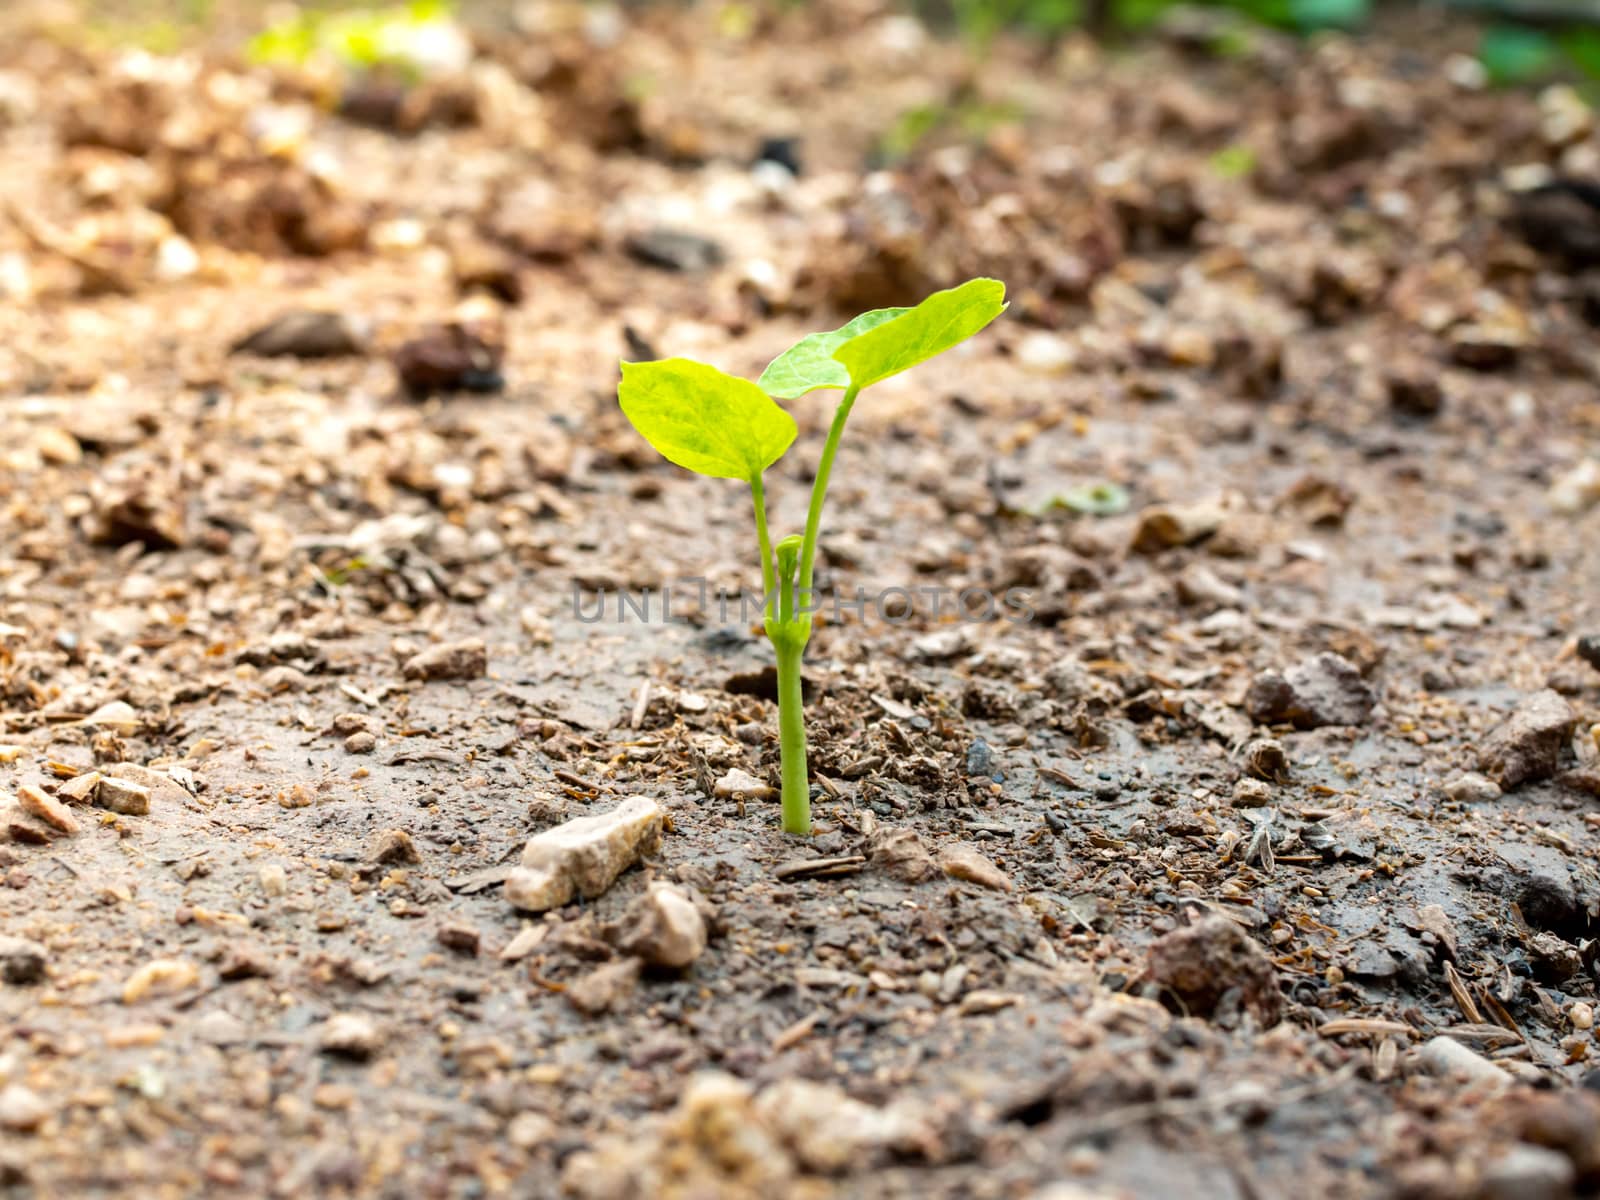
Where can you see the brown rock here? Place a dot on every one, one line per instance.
(460, 937)
(663, 927)
(1560, 218)
(900, 854)
(163, 788)
(80, 790)
(1414, 390)
(393, 846)
(599, 990)
(1208, 962)
(467, 659)
(1321, 502)
(1323, 690)
(306, 334)
(1567, 1121)
(963, 861)
(47, 808)
(350, 1035)
(543, 225)
(245, 960)
(1528, 744)
(22, 960)
(1162, 527)
(457, 357)
(741, 783)
(1199, 586)
(123, 796)
(141, 510)
(482, 266)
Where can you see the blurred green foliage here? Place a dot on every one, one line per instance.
(966, 115)
(981, 20)
(1513, 54)
(359, 39)
(359, 35)
(1510, 53)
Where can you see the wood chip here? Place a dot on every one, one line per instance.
(480, 881)
(820, 868)
(1369, 1026)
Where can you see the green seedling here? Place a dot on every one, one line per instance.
(715, 424)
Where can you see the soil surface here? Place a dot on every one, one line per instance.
(1258, 860)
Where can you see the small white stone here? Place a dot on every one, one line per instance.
(123, 796)
(1578, 490)
(1526, 1172)
(1469, 787)
(664, 927)
(583, 857)
(742, 783)
(160, 977)
(830, 1132)
(1046, 354)
(1444, 1056)
(530, 1130)
(352, 1035)
(21, 1109)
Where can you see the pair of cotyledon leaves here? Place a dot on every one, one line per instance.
(716, 424)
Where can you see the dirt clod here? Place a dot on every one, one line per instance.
(393, 846)
(599, 990)
(450, 358)
(22, 960)
(900, 854)
(663, 927)
(1213, 963)
(966, 862)
(1527, 746)
(467, 659)
(1326, 689)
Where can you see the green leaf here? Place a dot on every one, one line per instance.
(809, 363)
(700, 418)
(1234, 162)
(1582, 46)
(1091, 499)
(1329, 14)
(943, 320)
(1512, 54)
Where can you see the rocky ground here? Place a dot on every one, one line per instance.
(1259, 861)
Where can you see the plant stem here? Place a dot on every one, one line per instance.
(792, 739)
(819, 490)
(758, 494)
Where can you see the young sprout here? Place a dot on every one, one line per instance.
(715, 424)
